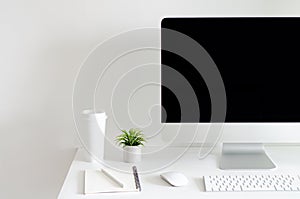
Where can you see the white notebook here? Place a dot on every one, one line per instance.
(98, 182)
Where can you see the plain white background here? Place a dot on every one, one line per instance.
(42, 44)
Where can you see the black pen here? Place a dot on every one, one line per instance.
(136, 178)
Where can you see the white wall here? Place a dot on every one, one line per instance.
(42, 45)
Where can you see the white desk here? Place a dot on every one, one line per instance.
(286, 158)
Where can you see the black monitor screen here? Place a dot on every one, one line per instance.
(259, 62)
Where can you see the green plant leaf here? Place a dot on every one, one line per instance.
(132, 137)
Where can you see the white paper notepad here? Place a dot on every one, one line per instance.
(97, 182)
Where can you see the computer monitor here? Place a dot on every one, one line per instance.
(259, 64)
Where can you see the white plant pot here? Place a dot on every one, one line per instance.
(132, 154)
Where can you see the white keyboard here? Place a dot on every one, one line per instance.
(226, 183)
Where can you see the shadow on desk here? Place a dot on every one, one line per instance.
(154, 180)
(80, 182)
(157, 181)
(200, 183)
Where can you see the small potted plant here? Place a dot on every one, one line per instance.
(131, 141)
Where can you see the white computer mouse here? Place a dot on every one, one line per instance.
(175, 179)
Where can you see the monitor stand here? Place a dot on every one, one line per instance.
(245, 156)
